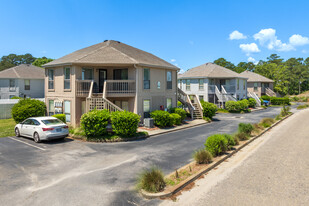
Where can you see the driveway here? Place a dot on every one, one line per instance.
(272, 170)
(80, 173)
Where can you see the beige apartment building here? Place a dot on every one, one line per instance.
(109, 75)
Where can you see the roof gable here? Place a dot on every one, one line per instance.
(23, 71)
(254, 77)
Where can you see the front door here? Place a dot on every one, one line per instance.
(102, 78)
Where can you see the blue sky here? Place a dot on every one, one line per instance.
(185, 33)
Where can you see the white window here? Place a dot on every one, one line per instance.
(146, 108)
(67, 110)
(159, 85)
(12, 85)
(169, 103)
(27, 84)
(188, 85)
(169, 84)
(67, 78)
(51, 108)
(50, 79)
(146, 78)
(201, 84)
(255, 85)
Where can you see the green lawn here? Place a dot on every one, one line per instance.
(7, 127)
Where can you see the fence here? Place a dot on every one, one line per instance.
(6, 107)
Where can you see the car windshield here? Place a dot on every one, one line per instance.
(51, 121)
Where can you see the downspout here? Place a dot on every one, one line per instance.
(136, 87)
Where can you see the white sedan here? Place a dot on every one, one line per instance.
(42, 128)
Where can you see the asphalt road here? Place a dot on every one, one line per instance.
(80, 173)
(272, 170)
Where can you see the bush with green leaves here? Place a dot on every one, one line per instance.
(15, 97)
(285, 111)
(61, 117)
(209, 109)
(303, 106)
(245, 128)
(280, 101)
(181, 112)
(252, 102)
(241, 136)
(266, 122)
(94, 122)
(202, 156)
(230, 140)
(162, 118)
(262, 101)
(265, 97)
(216, 144)
(236, 139)
(151, 180)
(26, 108)
(243, 104)
(232, 106)
(176, 118)
(124, 123)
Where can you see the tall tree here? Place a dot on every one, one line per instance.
(41, 61)
(274, 58)
(14, 60)
(243, 66)
(224, 63)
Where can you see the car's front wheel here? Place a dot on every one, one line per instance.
(36, 137)
(17, 133)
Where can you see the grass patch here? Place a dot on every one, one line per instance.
(7, 127)
(222, 111)
(304, 106)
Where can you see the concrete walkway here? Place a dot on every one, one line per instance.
(272, 170)
(188, 124)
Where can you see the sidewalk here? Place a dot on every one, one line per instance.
(157, 131)
(272, 170)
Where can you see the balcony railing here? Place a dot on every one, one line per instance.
(83, 87)
(228, 88)
(114, 87)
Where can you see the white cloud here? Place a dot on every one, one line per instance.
(251, 59)
(304, 51)
(249, 48)
(268, 38)
(298, 40)
(237, 35)
(173, 60)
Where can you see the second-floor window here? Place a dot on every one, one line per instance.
(237, 83)
(87, 74)
(146, 78)
(188, 85)
(255, 85)
(169, 84)
(27, 84)
(67, 78)
(12, 85)
(244, 84)
(50, 79)
(201, 84)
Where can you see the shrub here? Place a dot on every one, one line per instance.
(262, 101)
(232, 106)
(151, 180)
(265, 97)
(216, 144)
(181, 112)
(202, 156)
(243, 104)
(245, 128)
(241, 136)
(236, 139)
(94, 122)
(60, 117)
(26, 108)
(252, 102)
(285, 111)
(209, 109)
(162, 118)
(15, 97)
(257, 128)
(176, 118)
(267, 122)
(230, 140)
(125, 123)
(280, 100)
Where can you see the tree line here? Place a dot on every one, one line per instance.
(290, 76)
(12, 60)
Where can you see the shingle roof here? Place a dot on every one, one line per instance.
(111, 52)
(254, 77)
(210, 70)
(23, 71)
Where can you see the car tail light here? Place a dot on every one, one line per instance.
(47, 129)
(65, 127)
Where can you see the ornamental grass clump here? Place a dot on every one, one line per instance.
(242, 136)
(202, 156)
(216, 144)
(266, 122)
(151, 180)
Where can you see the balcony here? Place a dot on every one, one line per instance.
(230, 89)
(111, 88)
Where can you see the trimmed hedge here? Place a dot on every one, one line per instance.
(94, 122)
(26, 108)
(124, 123)
(176, 118)
(209, 109)
(265, 97)
(238, 106)
(216, 144)
(279, 101)
(162, 118)
(252, 102)
(181, 112)
(61, 117)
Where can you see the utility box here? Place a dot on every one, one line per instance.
(149, 122)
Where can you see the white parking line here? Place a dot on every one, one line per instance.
(27, 143)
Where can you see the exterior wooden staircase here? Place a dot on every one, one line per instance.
(193, 104)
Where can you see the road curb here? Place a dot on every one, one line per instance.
(191, 179)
